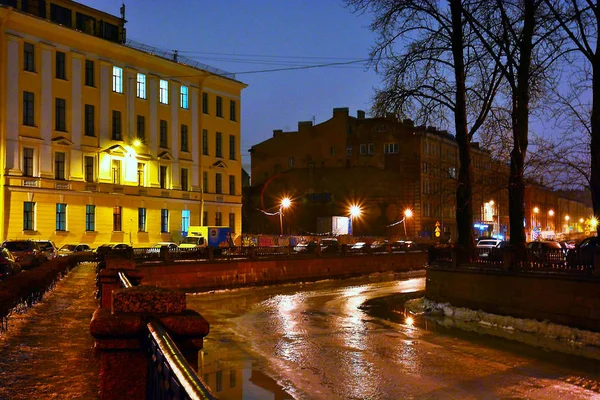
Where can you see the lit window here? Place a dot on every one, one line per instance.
(61, 217)
(164, 220)
(117, 79)
(90, 217)
(164, 92)
(390, 148)
(141, 86)
(185, 222)
(184, 97)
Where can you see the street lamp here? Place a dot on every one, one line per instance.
(285, 203)
(355, 211)
(567, 218)
(407, 214)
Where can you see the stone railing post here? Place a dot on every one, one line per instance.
(121, 335)
(165, 255)
(108, 278)
(344, 249)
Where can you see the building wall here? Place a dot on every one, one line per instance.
(45, 191)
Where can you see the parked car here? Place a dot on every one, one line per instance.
(359, 247)
(104, 249)
(403, 245)
(583, 253)
(379, 246)
(547, 251)
(484, 246)
(156, 248)
(48, 247)
(8, 264)
(305, 247)
(329, 245)
(68, 249)
(26, 252)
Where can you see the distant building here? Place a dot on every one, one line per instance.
(107, 140)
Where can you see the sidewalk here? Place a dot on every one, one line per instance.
(47, 352)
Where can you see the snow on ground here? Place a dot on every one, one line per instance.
(543, 334)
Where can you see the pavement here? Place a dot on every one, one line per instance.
(48, 352)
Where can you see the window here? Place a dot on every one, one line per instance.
(232, 222)
(89, 120)
(28, 57)
(85, 23)
(348, 150)
(27, 162)
(204, 142)
(232, 147)
(141, 128)
(425, 167)
(185, 222)
(183, 97)
(205, 218)
(205, 103)
(184, 138)
(184, 179)
(371, 148)
(218, 219)
(28, 109)
(61, 217)
(363, 149)
(90, 217)
(141, 86)
(61, 70)
(28, 215)
(141, 174)
(390, 148)
(60, 15)
(232, 184)
(164, 137)
(117, 84)
(164, 220)
(232, 377)
(164, 92)
(59, 165)
(205, 182)
(89, 168)
(219, 106)
(218, 183)
(219, 381)
(60, 118)
(232, 111)
(162, 177)
(291, 162)
(116, 125)
(141, 220)
(219, 145)
(89, 73)
(116, 172)
(117, 219)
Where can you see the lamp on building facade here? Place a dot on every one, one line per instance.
(407, 214)
(285, 203)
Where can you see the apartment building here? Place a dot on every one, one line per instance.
(107, 140)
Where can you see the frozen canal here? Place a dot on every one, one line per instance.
(315, 341)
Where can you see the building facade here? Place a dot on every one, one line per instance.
(105, 141)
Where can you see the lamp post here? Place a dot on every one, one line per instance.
(355, 211)
(407, 214)
(285, 203)
(567, 218)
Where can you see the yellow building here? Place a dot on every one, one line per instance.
(105, 140)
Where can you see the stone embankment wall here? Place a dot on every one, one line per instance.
(203, 276)
(563, 299)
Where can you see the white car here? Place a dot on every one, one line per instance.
(486, 245)
(156, 248)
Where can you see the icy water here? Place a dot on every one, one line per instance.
(321, 341)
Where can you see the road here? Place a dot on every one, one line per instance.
(315, 341)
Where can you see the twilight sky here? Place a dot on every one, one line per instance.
(251, 35)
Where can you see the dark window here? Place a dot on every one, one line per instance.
(232, 110)
(89, 120)
(116, 125)
(205, 218)
(60, 118)
(59, 165)
(11, 3)
(141, 127)
(35, 7)
(205, 103)
(232, 147)
(219, 386)
(60, 15)
(232, 184)
(232, 222)
(116, 170)
(204, 142)
(89, 73)
(109, 31)
(184, 138)
(205, 182)
(89, 168)
(28, 109)
(218, 183)
(163, 134)
(61, 217)
(232, 376)
(184, 179)
(162, 178)
(219, 145)
(85, 23)
(219, 106)
(61, 68)
(90, 217)
(141, 171)
(218, 219)
(141, 219)
(28, 214)
(164, 220)
(27, 161)
(28, 57)
(117, 219)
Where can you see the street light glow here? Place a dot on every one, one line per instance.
(593, 222)
(581, 220)
(286, 202)
(137, 143)
(355, 211)
(491, 202)
(536, 210)
(408, 213)
(551, 213)
(567, 218)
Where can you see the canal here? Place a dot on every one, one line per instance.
(342, 340)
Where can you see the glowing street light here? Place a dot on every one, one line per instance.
(355, 211)
(551, 213)
(407, 214)
(567, 218)
(137, 143)
(285, 203)
(594, 223)
(536, 210)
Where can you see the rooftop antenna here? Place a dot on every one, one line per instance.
(123, 30)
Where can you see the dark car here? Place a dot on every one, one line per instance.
(583, 253)
(379, 246)
(69, 249)
(104, 249)
(8, 264)
(48, 247)
(26, 252)
(548, 252)
(329, 245)
(305, 247)
(403, 245)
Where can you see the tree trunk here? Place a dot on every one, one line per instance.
(595, 140)
(464, 189)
